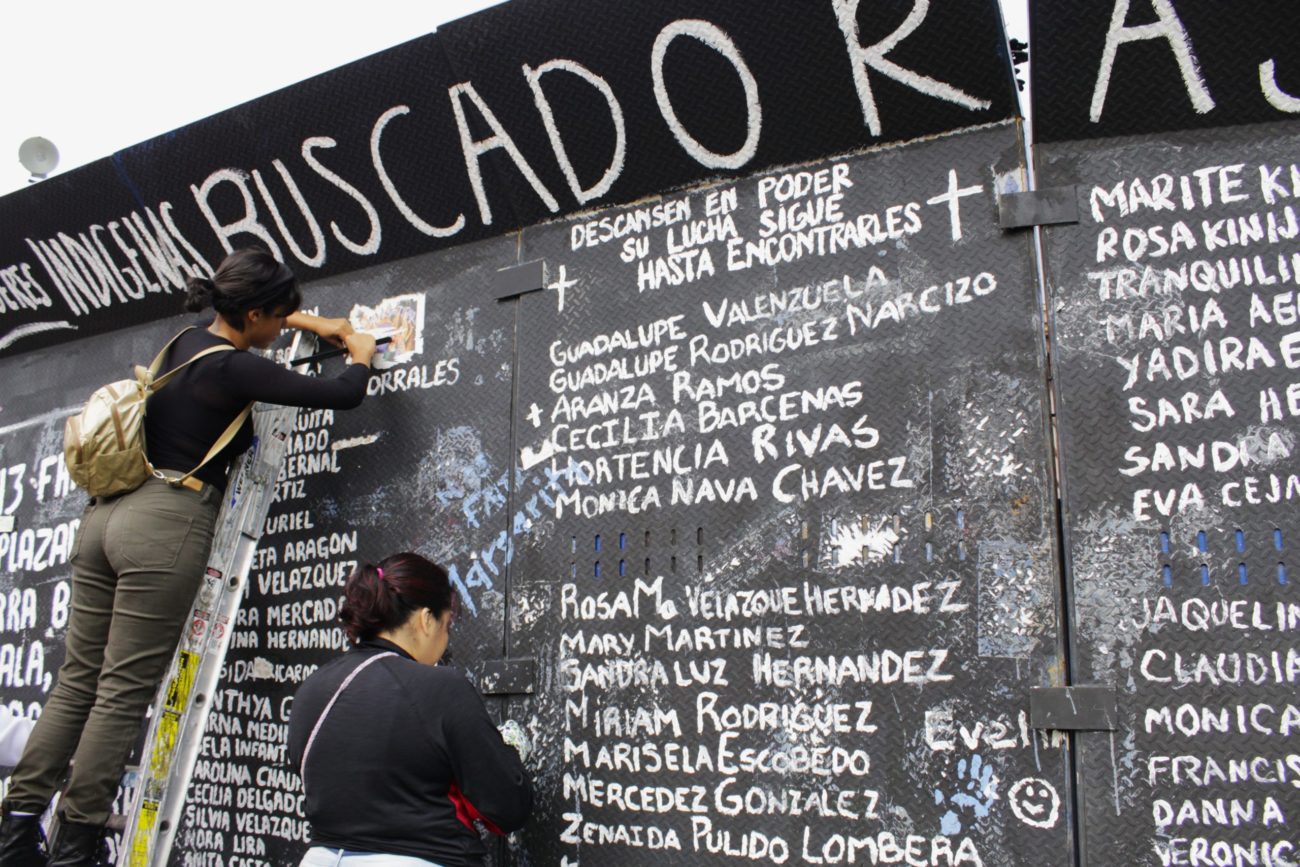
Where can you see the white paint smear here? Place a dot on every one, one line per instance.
(866, 57)
(41, 419)
(355, 441)
(1168, 28)
(1276, 96)
(530, 457)
(714, 37)
(33, 328)
(856, 544)
(534, 77)
(411, 217)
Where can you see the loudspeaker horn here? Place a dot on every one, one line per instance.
(39, 156)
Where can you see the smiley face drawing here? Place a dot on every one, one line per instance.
(1035, 802)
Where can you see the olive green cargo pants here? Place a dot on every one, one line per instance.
(137, 562)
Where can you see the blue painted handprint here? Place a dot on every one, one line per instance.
(977, 790)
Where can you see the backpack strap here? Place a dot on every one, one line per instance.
(222, 441)
(154, 384)
(156, 365)
(320, 720)
(167, 377)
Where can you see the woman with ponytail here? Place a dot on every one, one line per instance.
(139, 556)
(397, 755)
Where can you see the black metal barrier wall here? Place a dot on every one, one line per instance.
(1175, 366)
(1173, 301)
(787, 574)
(801, 582)
(752, 504)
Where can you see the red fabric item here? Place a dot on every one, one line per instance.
(467, 812)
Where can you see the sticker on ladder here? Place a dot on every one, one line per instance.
(182, 683)
(164, 747)
(140, 842)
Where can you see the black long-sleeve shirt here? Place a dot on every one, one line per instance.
(384, 768)
(184, 418)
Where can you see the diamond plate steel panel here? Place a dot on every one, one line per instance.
(1106, 68)
(366, 163)
(38, 302)
(1175, 334)
(799, 579)
(423, 465)
(804, 102)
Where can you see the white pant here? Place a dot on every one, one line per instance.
(320, 856)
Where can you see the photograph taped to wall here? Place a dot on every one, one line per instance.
(400, 318)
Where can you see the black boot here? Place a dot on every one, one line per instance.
(22, 842)
(77, 845)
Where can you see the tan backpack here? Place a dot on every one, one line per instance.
(103, 445)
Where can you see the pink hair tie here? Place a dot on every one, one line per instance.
(381, 573)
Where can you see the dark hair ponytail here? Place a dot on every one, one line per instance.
(198, 293)
(247, 279)
(381, 597)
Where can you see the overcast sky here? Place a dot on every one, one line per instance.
(94, 77)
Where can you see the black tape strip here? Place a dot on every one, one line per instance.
(1073, 708)
(1038, 208)
(519, 280)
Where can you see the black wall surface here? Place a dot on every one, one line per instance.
(1174, 334)
(1128, 67)
(762, 482)
(441, 141)
(787, 573)
(797, 600)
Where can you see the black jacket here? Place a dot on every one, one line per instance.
(381, 772)
(185, 417)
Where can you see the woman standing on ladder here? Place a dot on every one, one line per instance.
(139, 556)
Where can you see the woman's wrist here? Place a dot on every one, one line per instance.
(299, 320)
(333, 330)
(303, 321)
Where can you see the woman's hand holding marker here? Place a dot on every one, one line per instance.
(361, 347)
